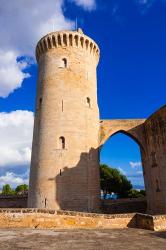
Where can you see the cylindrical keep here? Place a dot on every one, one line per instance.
(64, 170)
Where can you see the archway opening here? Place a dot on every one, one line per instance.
(122, 153)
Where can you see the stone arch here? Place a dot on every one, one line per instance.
(128, 134)
(129, 127)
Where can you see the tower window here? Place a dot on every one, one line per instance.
(40, 102)
(62, 105)
(62, 142)
(88, 102)
(64, 60)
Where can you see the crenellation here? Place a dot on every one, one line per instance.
(54, 42)
(48, 43)
(70, 40)
(59, 40)
(66, 39)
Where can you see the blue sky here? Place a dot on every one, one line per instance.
(131, 35)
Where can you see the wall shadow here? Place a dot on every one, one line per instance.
(78, 187)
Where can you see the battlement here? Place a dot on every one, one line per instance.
(63, 39)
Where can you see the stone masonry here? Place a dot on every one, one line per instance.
(65, 166)
(68, 134)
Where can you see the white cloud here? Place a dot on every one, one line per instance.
(122, 170)
(86, 4)
(11, 72)
(139, 173)
(22, 24)
(12, 179)
(135, 164)
(16, 138)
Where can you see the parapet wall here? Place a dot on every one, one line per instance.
(133, 205)
(44, 218)
(13, 201)
(65, 39)
(51, 219)
(107, 206)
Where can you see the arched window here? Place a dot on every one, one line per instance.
(62, 142)
(64, 60)
(88, 102)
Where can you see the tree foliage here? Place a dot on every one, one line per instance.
(111, 180)
(6, 190)
(21, 188)
(136, 194)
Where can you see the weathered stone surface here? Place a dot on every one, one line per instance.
(13, 201)
(107, 206)
(116, 239)
(150, 134)
(134, 205)
(154, 161)
(46, 218)
(38, 218)
(65, 167)
(131, 127)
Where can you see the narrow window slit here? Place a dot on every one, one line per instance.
(62, 142)
(62, 105)
(64, 62)
(40, 102)
(88, 102)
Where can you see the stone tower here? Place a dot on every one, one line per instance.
(64, 170)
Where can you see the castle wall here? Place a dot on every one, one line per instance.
(154, 160)
(127, 205)
(68, 134)
(65, 168)
(150, 135)
(13, 201)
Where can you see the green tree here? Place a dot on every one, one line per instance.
(111, 180)
(21, 188)
(143, 192)
(6, 189)
(133, 193)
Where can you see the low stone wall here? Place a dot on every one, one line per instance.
(132, 205)
(43, 218)
(13, 201)
(107, 206)
(151, 222)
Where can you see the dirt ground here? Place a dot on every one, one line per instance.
(115, 239)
